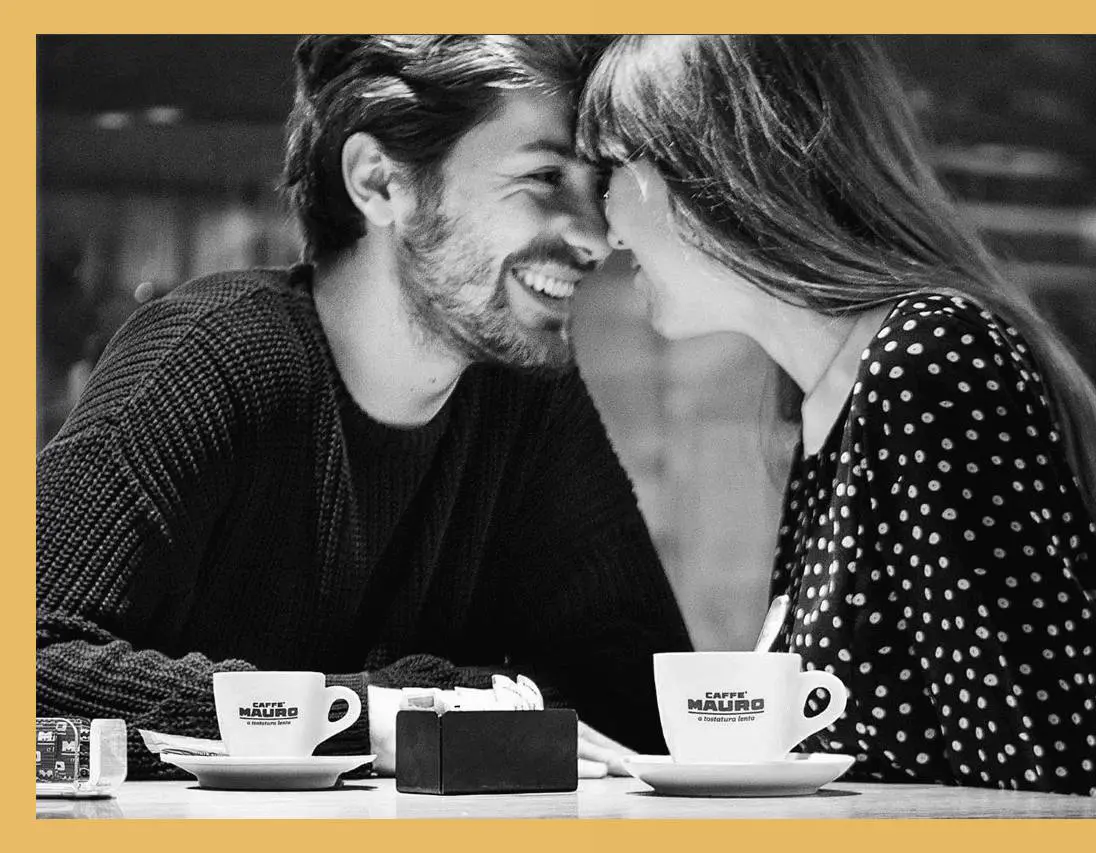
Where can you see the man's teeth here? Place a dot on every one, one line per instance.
(557, 288)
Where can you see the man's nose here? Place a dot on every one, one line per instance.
(586, 231)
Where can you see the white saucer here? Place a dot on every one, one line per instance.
(796, 775)
(249, 773)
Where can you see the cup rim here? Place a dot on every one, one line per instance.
(711, 654)
(267, 673)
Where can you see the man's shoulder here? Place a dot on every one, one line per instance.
(241, 314)
(260, 290)
(247, 334)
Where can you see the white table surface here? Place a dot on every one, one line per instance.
(595, 798)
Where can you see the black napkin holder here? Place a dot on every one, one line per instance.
(486, 752)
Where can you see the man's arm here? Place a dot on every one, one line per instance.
(587, 600)
(128, 495)
(96, 531)
(84, 671)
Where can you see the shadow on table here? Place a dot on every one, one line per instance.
(357, 785)
(531, 805)
(824, 794)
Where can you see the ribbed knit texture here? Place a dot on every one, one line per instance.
(216, 501)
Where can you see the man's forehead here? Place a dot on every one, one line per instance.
(526, 121)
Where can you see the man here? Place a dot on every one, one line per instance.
(381, 464)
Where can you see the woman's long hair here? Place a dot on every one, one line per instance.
(795, 162)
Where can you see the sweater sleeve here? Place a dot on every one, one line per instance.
(128, 495)
(589, 601)
(979, 545)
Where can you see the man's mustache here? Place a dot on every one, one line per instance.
(560, 254)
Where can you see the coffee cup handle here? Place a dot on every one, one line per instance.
(348, 719)
(839, 697)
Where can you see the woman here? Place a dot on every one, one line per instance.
(937, 540)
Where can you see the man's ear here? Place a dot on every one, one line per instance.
(369, 175)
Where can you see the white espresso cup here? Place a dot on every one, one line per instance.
(720, 707)
(278, 714)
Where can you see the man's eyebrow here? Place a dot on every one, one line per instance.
(540, 146)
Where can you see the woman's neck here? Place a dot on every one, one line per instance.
(824, 401)
(821, 354)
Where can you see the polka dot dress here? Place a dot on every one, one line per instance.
(937, 555)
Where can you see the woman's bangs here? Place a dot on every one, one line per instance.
(607, 125)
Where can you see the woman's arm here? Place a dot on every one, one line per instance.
(981, 544)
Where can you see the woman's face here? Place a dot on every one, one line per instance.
(687, 293)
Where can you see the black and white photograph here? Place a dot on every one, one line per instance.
(566, 426)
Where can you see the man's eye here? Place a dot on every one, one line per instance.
(604, 176)
(548, 177)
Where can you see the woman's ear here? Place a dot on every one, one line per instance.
(368, 175)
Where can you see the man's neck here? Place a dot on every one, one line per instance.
(390, 370)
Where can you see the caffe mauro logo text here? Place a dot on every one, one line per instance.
(268, 711)
(729, 703)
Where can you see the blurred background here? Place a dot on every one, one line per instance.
(158, 161)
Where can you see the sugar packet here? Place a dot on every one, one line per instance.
(505, 694)
(158, 742)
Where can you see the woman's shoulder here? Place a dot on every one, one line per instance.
(941, 368)
(937, 339)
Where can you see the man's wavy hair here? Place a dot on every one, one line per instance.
(417, 95)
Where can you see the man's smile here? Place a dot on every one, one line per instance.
(551, 281)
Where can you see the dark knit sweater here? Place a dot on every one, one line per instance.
(216, 501)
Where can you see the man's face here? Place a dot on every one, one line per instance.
(490, 261)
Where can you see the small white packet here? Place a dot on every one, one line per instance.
(418, 699)
(522, 695)
(158, 742)
(472, 699)
(504, 695)
(533, 691)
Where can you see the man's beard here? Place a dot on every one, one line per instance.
(460, 303)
